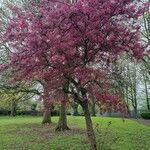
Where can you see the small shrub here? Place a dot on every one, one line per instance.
(105, 138)
(145, 115)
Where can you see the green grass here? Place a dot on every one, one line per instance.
(27, 133)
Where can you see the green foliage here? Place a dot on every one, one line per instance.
(5, 100)
(145, 115)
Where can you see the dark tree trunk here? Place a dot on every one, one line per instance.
(62, 123)
(89, 125)
(75, 109)
(47, 116)
(135, 104)
(135, 113)
(146, 94)
(13, 108)
(127, 98)
(93, 112)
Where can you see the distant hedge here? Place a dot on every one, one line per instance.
(145, 115)
(4, 112)
(31, 112)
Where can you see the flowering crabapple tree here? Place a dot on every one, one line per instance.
(72, 46)
(5, 15)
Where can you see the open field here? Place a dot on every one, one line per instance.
(26, 133)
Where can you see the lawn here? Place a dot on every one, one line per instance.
(27, 133)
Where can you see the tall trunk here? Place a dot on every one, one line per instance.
(62, 123)
(146, 94)
(133, 88)
(135, 112)
(89, 126)
(135, 103)
(13, 108)
(127, 98)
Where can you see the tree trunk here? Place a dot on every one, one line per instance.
(47, 116)
(89, 126)
(13, 108)
(127, 99)
(133, 89)
(93, 112)
(146, 94)
(75, 109)
(135, 103)
(62, 123)
(47, 105)
(135, 112)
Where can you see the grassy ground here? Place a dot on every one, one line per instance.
(26, 133)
